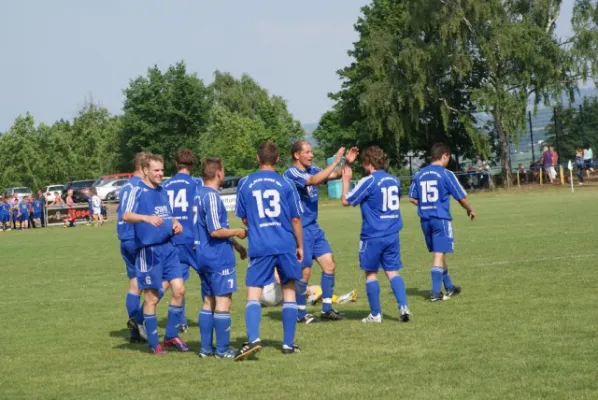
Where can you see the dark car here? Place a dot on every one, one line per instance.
(80, 190)
(229, 186)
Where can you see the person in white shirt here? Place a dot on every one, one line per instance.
(96, 204)
(587, 159)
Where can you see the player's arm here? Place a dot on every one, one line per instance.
(225, 233)
(211, 208)
(298, 232)
(465, 204)
(457, 191)
(296, 209)
(347, 173)
(349, 159)
(239, 248)
(131, 216)
(328, 172)
(413, 194)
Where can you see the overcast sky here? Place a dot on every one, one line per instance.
(55, 53)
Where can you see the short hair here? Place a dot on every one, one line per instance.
(185, 159)
(438, 150)
(297, 147)
(139, 158)
(210, 167)
(149, 157)
(268, 153)
(375, 157)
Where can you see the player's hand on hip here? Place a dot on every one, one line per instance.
(177, 228)
(339, 155)
(299, 254)
(471, 214)
(352, 155)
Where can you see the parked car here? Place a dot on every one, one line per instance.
(229, 186)
(114, 195)
(80, 190)
(19, 191)
(112, 177)
(50, 190)
(109, 186)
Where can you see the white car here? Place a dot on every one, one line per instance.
(50, 190)
(19, 191)
(109, 186)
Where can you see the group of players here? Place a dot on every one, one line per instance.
(17, 214)
(165, 228)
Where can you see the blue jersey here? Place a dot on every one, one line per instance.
(90, 203)
(37, 207)
(268, 201)
(24, 207)
(149, 201)
(213, 254)
(4, 209)
(432, 187)
(307, 194)
(124, 230)
(198, 181)
(378, 194)
(181, 190)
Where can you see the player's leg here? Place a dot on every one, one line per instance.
(391, 263)
(301, 285)
(205, 319)
(451, 289)
(369, 262)
(323, 255)
(289, 271)
(173, 273)
(187, 257)
(222, 325)
(149, 271)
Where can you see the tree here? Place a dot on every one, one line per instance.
(162, 113)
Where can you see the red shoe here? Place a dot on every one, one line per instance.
(176, 342)
(158, 350)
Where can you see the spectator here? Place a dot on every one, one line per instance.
(588, 155)
(470, 176)
(42, 197)
(57, 200)
(69, 221)
(555, 162)
(546, 162)
(522, 173)
(579, 164)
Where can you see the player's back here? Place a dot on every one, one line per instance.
(37, 207)
(432, 186)
(4, 207)
(181, 190)
(268, 202)
(378, 195)
(124, 230)
(151, 201)
(24, 207)
(211, 216)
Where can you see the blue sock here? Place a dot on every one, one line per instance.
(151, 327)
(183, 316)
(436, 280)
(301, 291)
(206, 329)
(398, 288)
(289, 323)
(132, 303)
(446, 279)
(253, 317)
(222, 324)
(327, 283)
(139, 314)
(372, 288)
(174, 319)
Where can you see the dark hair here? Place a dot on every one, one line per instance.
(185, 159)
(267, 152)
(139, 158)
(297, 147)
(149, 157)
(375, 157)
(210, 167)
(438, 150)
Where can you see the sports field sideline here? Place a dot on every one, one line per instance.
(524, 327)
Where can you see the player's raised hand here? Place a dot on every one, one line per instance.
(177, 228)
(299, 255)
(154, 220)
(352, 155)
(347, 172)
(339, 155)
(471, 214)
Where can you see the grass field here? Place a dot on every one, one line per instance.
(524, 327)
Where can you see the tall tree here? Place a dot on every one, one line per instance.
(163, 112)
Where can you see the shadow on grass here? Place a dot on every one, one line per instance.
(425, 294)
(350, 315)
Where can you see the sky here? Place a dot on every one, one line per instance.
(56, 54)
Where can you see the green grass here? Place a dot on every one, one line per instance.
(524, 326)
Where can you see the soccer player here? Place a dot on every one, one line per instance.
(37, 207)
(23, 214)
(96, 204)
(270, 207)
(126, 235)
(430, 191)
(306, 178)
(4, 214)
(181, 190)
(157, 259)
(216, 262)
(378, 195)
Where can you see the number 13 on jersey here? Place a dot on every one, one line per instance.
(272, 197)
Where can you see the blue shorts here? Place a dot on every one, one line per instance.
(382, 252)
(91, 211)
(218, 283)
(23, 217)
(4, 218)
(155, 264)
(36, 216)
(129, 253)
(187, 257)
(314, 244)
(439, 235)
(260, 271)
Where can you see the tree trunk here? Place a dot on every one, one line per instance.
(505, 156)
